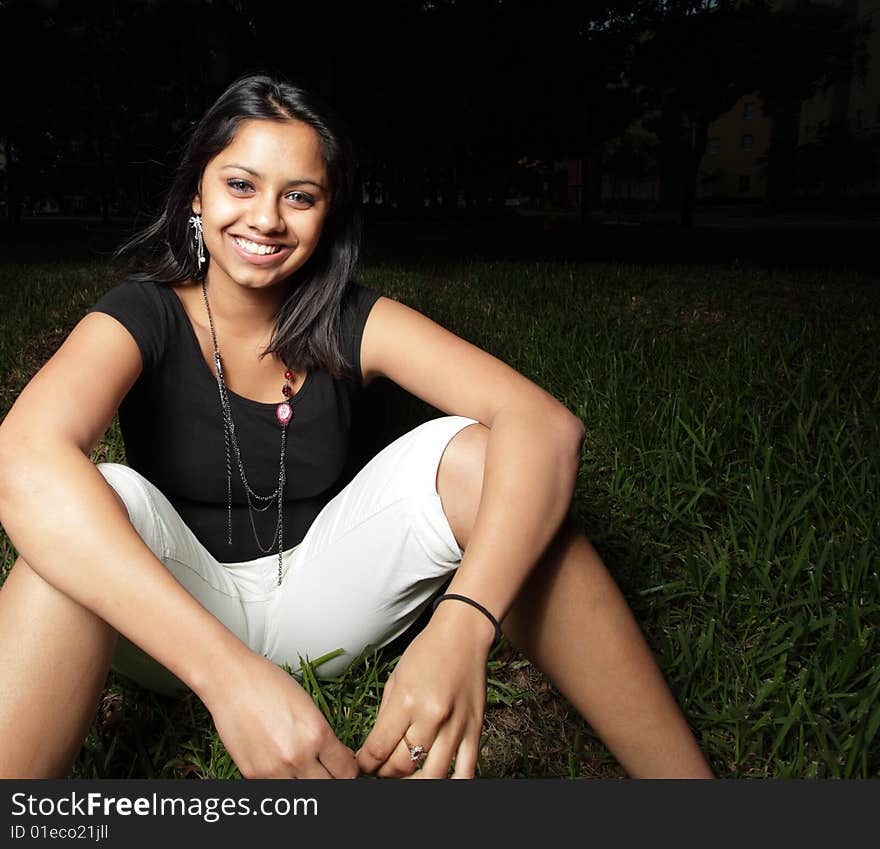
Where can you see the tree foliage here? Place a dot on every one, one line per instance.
(443, 97)
(692, 61)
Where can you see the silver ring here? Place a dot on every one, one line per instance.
(416, 753)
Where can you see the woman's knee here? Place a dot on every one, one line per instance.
(51, 674)
(460, 479)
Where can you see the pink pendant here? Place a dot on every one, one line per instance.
(284, 413)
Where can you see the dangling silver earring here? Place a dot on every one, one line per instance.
(198, 240)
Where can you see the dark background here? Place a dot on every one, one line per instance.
(465, 116)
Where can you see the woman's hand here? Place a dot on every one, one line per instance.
(272, 728)
(435, 698)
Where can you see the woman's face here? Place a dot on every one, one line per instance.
(263, 201)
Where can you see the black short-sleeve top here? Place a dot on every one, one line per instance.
(172, 426)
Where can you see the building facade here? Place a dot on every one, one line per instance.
(835, 135)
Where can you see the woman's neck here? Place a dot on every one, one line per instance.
(246, 312)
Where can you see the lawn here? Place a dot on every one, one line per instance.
(729, 479)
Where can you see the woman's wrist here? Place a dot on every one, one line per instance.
(462, 622)
(217, 673)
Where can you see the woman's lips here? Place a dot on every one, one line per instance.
(256, 258)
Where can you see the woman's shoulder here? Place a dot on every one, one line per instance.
(130, 291)
(358, 300)
(136, 302)
(144, 309)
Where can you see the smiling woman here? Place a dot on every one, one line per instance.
(231, 545)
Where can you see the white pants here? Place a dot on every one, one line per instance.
(367, 567)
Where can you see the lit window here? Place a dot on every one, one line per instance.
(745, 182)
(747, 142)
(749, 110)
(713, 146)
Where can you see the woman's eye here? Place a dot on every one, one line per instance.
(238, 185)
(300, 199)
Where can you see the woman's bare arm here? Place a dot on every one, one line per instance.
(532, 456)
(65, 520)
(69, 526)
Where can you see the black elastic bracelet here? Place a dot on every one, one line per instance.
(473, 603)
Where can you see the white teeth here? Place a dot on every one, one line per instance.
(254, 248)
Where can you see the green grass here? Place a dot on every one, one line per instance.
(729, 479)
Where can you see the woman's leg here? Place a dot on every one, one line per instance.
(572, 621)
(225, 590)
(57, 653)
(53, 667)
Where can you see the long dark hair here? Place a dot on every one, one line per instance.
(306, 333)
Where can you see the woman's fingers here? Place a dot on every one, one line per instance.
(385, 737)
(399, 763)
(466, 759)
(339, 761)
(314, 769)
(462, 748)
(440, 755)
(273, 729)
(386, 751)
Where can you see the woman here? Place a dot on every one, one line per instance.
(228, 546)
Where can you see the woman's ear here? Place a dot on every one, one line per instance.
(197, 205)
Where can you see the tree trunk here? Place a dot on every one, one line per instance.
(594, 182)
(102, 180)
(584, 198)
(13, 197)
(782, 173)
(699, 139)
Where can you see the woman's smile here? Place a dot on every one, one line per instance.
(260, 252)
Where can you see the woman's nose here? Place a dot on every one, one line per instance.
(263, 215)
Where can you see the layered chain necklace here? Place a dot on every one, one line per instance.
(256, 502)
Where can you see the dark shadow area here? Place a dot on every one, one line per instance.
(49, 239)
(795, 242)
(383, 413)
(799, 245)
